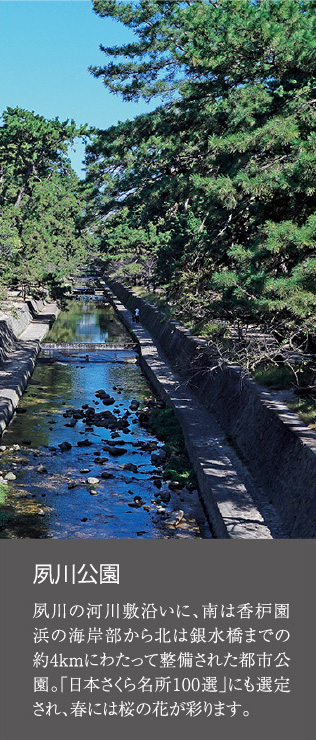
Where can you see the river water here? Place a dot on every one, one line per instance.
(50, 495)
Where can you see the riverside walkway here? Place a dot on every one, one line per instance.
(235, 507)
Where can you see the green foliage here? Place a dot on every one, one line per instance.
(41, 235)
(164, 424)
(277, 378)
(212, 195)
(306, 409)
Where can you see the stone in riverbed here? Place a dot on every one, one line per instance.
(175, 485)
(41, 469)
(161, 510)
(64, 446)
(93, 481)
(175, 518)
(165, 497)
(158, 458)
(93, 492)
(85, 470)
(10, 476)
(157, 481)
(137, 503)
(134, 405)
(102, 394)
(84, 443)
(22, 461)
(115, 451)
(72, 484)
(130, 466)
(106, 474)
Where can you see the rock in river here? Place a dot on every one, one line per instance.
(115, 451)
(41, 468)
(130, 466)
(175, 518)
(158, 458)
(10, 476)
(108, 401)
(63, 446)
(137, 503)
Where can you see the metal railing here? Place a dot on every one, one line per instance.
(87, 346)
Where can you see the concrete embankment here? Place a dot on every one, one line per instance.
(228, 495)
(21, 331)
(279, 452)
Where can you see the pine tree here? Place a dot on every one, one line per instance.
(218, 182)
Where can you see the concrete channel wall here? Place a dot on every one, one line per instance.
(279, 451)
(13, 323)
(21, 332)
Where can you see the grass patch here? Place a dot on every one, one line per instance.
(156, 299)
(282, 378)
(165, 426)
(3, 491)
(306, 410)
(278, 378)
(211, 329)
(178, 468)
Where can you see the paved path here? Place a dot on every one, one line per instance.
(235, 508)
(38, 328)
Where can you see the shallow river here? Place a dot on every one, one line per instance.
(51, 495)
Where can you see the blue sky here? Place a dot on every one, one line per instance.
(45, 51)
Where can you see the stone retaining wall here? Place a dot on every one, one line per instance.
(15, 320)
(18, 356)
(278, 449)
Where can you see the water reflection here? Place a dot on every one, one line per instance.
(87, 321)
